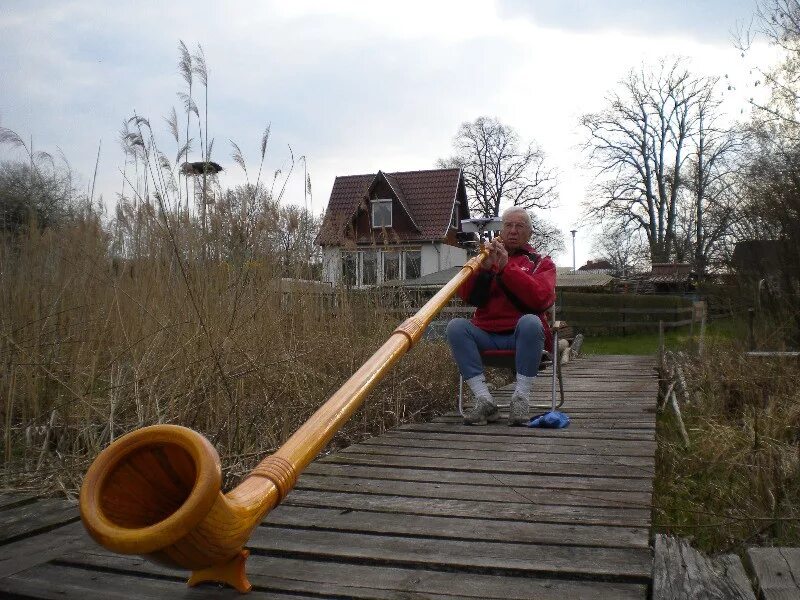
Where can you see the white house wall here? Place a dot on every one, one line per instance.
(331, 265)
(437, 257)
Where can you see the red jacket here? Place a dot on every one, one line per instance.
(529, 277)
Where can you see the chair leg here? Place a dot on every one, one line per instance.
(461, 394)
(560, 387)
(555, 369)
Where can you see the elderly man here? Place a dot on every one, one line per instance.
(512, 290)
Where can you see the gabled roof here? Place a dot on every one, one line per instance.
(670, 273)
(567, 278)
(427, 196)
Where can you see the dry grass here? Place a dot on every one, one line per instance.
(93, 347)
(738, 484)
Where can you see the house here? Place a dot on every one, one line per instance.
(393, 226)
(664, 278)
(597, 266)
(583, 281)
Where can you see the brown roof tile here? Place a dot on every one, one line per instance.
(426, 195)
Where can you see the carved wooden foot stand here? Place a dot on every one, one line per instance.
(231, 573)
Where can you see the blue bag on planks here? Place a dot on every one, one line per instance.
(551, 420)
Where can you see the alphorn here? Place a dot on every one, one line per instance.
(157, 491)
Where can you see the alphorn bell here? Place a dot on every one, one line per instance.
(157, 490)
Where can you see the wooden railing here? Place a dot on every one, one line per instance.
(619, 318)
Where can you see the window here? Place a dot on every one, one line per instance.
(413, 264)
(391, 265)
(382, 213)
(369, 267)
(350, 268)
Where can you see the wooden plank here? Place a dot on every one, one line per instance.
(503, 431)
(515, 480)
(619, 564)
(590, 470)
(516, 511)
(501, 456)
(476, 442)
(459, 527)
(31, 551)
(459, 491)
(335, 579)
(61, 581)
(12, 500)
(682, 573)
(576, 422)
(36, 517)
(775, 571)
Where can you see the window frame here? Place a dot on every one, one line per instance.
(376, 202)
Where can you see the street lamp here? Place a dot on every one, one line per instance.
(572, 231)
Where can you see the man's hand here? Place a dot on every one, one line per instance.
(500, 253)
(488, 262)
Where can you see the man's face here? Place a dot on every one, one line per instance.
(516, 231)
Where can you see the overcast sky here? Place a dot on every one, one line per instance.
(354, 86)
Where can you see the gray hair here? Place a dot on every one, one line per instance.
(518, 210)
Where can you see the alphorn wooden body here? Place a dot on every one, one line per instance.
(157, 491)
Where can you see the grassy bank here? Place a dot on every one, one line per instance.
(738, 482)
(681, 338)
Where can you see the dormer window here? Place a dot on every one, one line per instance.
(382, 212)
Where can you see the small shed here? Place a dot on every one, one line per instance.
(583, 281)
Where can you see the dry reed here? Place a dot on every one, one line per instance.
(738, 484)
(94, 345)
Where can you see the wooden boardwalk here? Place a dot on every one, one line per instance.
(434, 510)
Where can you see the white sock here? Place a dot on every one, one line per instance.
(524, 386)
(479, 388)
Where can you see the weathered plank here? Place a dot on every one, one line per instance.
(776, 572)
(527, 444)
(491, 479)
(519, 511)
(62, 581)
(458, 527)
(337, 579)
(682, 573)
(35, 517)
(620, 564)
(466, 491)
(501, 455)
(599, 469)
(11, 500)
(503, 431)
(38, 549)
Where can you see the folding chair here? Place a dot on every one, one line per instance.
(505, 359)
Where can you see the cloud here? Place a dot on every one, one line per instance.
(702, 20)
(353, 86)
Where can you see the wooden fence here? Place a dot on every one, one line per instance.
(592, 320)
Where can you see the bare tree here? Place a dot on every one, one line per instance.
(497, 171)
(547, 238)
(710, 187)
(639, 146)
(622, 246)
(779, 22)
